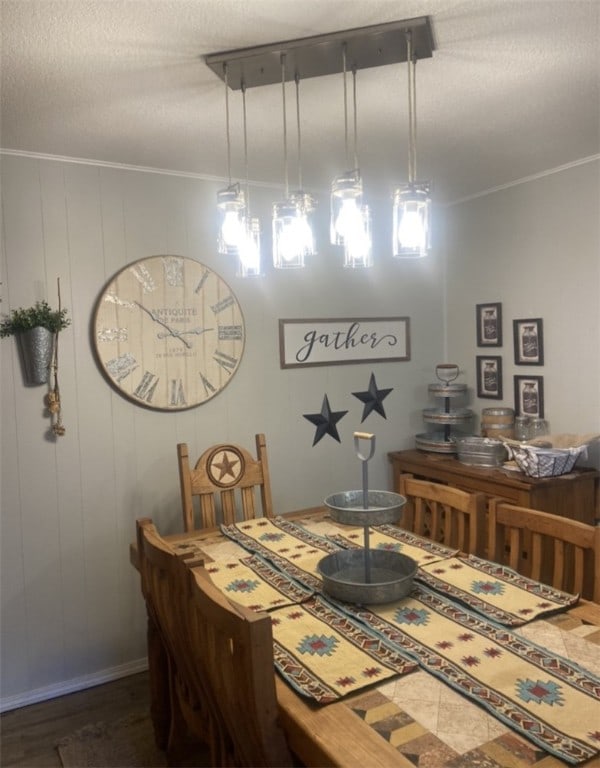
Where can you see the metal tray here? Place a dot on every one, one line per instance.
(435, 441)
(344, 573)
(437, 416)
(382, 507)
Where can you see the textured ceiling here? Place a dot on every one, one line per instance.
(512, 88)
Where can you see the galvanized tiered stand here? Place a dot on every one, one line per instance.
(441, 440)
(366, 575)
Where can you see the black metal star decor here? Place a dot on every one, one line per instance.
(326, 421)
(373, 398)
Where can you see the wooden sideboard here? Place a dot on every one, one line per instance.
(574, 495)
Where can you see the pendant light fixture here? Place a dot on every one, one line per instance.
(412, 202)
(292, 235)
(249, 247)
(231, 201)
(377, 45)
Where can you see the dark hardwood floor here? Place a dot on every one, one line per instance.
(28, 735)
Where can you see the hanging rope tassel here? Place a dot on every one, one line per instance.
(53, 396)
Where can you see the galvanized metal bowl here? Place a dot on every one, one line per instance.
(382, 507)
(344, 575)
(481, 451)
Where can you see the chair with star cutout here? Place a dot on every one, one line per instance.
(227, 484)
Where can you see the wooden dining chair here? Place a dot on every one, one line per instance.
(548, 548)
(447, 515)
(232, 652)
(178, 709)
(219, 663)
(226, 484)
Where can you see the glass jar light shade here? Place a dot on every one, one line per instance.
(346, 204)
(292, 234)
(249, 250)
(231, 203)
(411, 221)
(358, 247)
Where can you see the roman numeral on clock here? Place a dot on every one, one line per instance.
(230, 333)
(223, 304)
(226, 362)
(208, 387)
(145, 389)
(203, 279)
(144, 278)
(176, 394)
(120, 367)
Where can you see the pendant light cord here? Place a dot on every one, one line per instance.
(297, 79)
(226, 78)
(345, 105)
(412, 110)
(285, 153)
(246, 150)
(355, 120)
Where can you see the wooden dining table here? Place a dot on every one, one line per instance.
(412, 720)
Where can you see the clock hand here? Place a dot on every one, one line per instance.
(197, 331)
(171, 332)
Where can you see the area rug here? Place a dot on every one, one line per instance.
(124, 743)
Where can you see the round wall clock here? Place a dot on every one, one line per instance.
(168, 332)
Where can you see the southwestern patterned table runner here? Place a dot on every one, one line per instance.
(256, 584)
(553, 702)
(325, 654)
(298, 551)
(421, 550)
(495, 591)
(292, 548)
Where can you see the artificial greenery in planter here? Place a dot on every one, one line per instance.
(35, 329)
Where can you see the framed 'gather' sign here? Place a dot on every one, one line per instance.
(342, 341)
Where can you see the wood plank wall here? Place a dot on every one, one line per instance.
(71, 609)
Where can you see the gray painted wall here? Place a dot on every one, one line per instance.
(536, 249)
(72, 613)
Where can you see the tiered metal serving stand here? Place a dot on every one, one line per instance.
(366, 576)
(441, 440)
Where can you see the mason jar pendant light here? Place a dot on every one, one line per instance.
(346, 189)
(249, 247)
(412, 202)
(358, 242)
(231, 201)
(292, 234)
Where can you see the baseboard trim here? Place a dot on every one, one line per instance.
(71, 686)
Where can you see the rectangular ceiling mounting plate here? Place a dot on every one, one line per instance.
(319, 55)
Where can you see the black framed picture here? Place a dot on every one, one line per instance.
(489, 377)
(489, 325)
(528, 337)
(529, 396)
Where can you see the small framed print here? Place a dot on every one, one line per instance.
(528, 339)
(529, 396)
(489, 325)
(489, 377)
